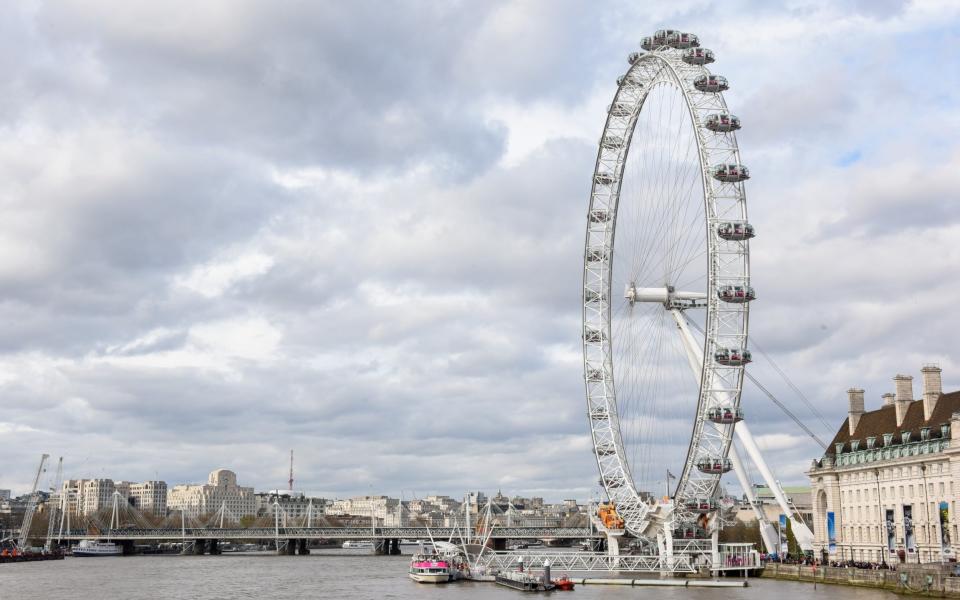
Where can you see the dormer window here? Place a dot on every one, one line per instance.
(871, 442)
(924, 434)
(887, 439)
(854, 445)
(945, 430)
(839, 447)
(905, 437)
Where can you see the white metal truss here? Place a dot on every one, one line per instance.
(584, 562)
(728, 264)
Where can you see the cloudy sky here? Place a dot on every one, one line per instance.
(233, 228)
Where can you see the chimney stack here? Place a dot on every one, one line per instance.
(855, 396)
(904, 387)
(887, 399)
(932, 388)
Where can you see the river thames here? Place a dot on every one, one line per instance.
(323, 574)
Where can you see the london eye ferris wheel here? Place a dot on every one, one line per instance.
(666, 284)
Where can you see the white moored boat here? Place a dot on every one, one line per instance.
(95, 548)
(355, 544)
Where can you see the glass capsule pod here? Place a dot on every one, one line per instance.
(736, 231)
(611, 142)
(660, 37)
(592, 296)
(682, 41)
(647, 43)
(605, 450)
(722, 122)
(690, 532)
(698, 56)
(701, 504)
(596, 255)
(592, 335)
(631, 79)
(633, 57)
(731, 173)
(711, 83)
(620, 109)
(604, 178)
(732, 357)
(736, 294)
(599, 215)
(595, 375)
(714, 466)
(725, 415)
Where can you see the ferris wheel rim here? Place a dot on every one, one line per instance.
(606, 431)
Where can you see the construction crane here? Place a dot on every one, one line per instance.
(31, 507)
(56, 507)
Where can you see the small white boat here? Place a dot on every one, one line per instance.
(95, 548)
(357, 544)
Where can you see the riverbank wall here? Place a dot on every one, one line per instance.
(922, 580)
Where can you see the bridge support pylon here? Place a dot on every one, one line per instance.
(302, 548)
(214, 547)
(394, 547)
(381, 547)
(199, 547)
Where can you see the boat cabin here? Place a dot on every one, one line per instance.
(711, 83)
(725, 415)
(736, 294)
(732, 357)
(682, 41)
(730, 173)
(735, 231)
(698, 56)
(723, 122)
(714, 466)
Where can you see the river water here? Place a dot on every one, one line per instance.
(323, 574)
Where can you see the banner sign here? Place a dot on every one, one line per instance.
(831, 534)
(891, 531)
(945, 528)
(783, 535)
(908, 539)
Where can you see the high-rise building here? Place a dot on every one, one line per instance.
(150, 497)
(221, 490)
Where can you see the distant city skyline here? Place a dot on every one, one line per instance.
(357, 231)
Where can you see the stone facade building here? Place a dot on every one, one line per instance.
(221, 490)
(150, 497)
(887, 479)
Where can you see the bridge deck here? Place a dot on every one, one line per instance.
(337, 533)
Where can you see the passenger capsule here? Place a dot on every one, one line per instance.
(592, 335)
(629, 80)
(682, 41)
(611, 142)
(730, 173)
(732, 357)
(698, 56)
(736, 231)
(714, 466)
(661, 36)
(722, 122)
(690, 532)
(725, 415)
(620, 109)
(604, 178)
(700, 504)
(711, 83)
(594, 375)
(647, 44)
(605, 450)
(633, 57)
(592, 296)
(599, 215)
(736, 294)
(596, 255)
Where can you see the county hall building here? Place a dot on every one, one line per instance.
(884, 489)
